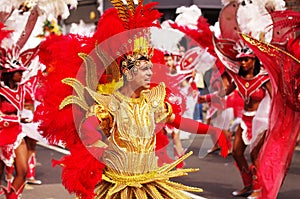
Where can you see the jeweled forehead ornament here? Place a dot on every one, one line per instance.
(136, 50)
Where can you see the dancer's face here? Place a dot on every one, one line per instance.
(17, 76)
(247, 64)
(142, 75)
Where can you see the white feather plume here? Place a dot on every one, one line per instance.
(8, 5)
(56, 7)
(166, 39)
(225, 2)
(82, 28)
(188, 16)
(253, 17)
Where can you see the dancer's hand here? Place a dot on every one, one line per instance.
(201, 99)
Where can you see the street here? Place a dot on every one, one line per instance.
(217, 176)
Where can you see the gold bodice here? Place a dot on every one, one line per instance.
(131, 138)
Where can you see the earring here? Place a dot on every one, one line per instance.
(128, 74)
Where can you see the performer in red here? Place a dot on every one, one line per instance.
(253, 85)
(283, 65)
(13, 151)
(13, 146)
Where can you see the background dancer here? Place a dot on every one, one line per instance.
(14, 150)
(252, 83)
(282, 63)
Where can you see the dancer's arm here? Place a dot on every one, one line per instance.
(196, 127)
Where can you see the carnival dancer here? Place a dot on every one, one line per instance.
(13, 146)
(127, 120)
(282, 62)
(248, 17)
(253, 85)
(115, 139)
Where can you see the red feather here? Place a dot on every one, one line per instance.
(110, 24)
(80, 176)
(60, 56)
(4, 33)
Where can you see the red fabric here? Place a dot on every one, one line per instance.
(9, 132)
(294, 47)
(248, 122)
(250, 88)
(285, 22)
(7, 108)
(278, 149)
(162, 140)
(88, 131)
(15, 97)
(28, 98)
(194, 86)
(235, 101)
(195, 127)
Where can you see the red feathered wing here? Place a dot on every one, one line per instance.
(60, 56)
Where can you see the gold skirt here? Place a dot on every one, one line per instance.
(154, 185)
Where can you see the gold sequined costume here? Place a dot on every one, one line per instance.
(131, 165)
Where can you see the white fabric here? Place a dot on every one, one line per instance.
(10, 161)
(244, 133)
(223, 119)
(190, 106)
(261, 120)
(259, 124)
(31, 129)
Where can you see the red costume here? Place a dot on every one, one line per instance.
(10, 124)
(249, 89)
(284, 69)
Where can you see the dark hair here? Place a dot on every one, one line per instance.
(6, 77)
(130, 63)
(256, 68)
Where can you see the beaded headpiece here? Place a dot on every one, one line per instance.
(12, 60)
(136, 50)
(243, 50)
